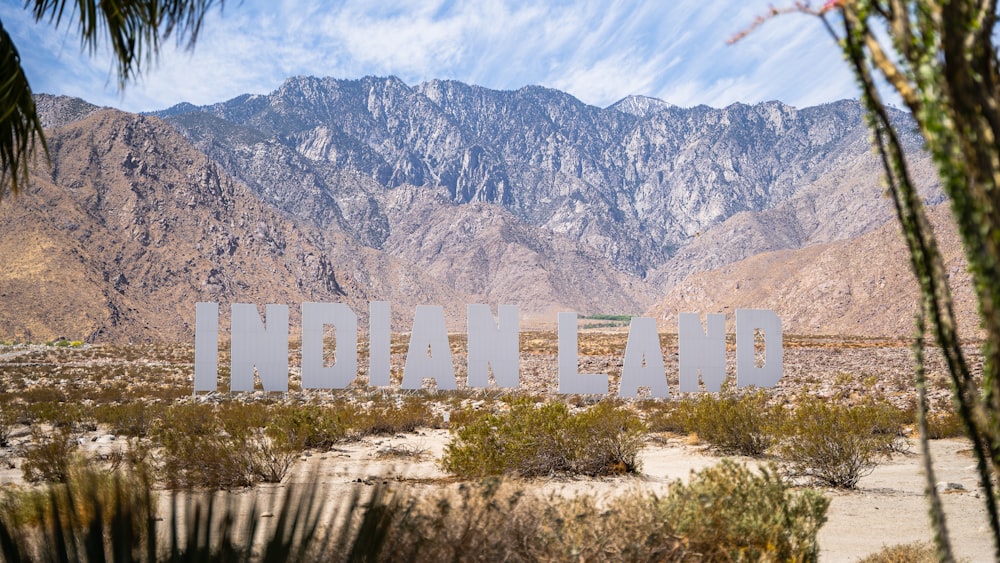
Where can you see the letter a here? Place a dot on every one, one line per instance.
(643, 344)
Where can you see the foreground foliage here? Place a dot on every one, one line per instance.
(940, 58)
(836, 445)
(727, 512)
(533, 440)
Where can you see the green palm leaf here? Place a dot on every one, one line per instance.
(20, 128)
(133, 29)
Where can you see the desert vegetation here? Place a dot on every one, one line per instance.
(502, 448)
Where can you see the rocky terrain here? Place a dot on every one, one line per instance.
(447, 193)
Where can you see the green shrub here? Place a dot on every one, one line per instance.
(547, 439)
(725, 513)
(381, 419)
(945, 425)
(50, 458)
(307, 426)
(729, 513)
(833, 444)
(736, 423)
(8, 418)
(134, 419)
(220, 449)
(674, 416)
(916, 552)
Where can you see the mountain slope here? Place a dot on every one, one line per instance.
(862, 286)
(132, 226)
(636, 182)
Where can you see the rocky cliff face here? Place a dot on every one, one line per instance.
(440, 193)
(637, 182)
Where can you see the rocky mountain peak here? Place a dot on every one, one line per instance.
(640, 106)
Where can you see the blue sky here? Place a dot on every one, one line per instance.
(598, 51)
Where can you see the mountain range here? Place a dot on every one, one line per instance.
(447, 193)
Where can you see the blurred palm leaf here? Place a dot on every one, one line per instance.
(133, 29)
(20, 128)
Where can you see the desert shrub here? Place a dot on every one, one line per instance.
(8, 418)
(393, 418)
(221, 448)
(133, 419)
(49, 458)
(833, 444)
(736, 423)
(945, 425)
(890, 422)
(674, 416)
(307, 426)
(547, 439)
(916, 552)
(55, 411)
(725, 513)
(729, 513)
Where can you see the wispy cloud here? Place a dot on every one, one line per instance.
(598, 51)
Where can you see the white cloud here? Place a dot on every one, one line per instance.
(598, 51)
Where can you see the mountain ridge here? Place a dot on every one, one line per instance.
(440, 193)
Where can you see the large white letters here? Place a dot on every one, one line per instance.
(206, 347)
(379, 342)
(703, 351)
(748, 322)
(253, 344)
(429, 355)
(493, 345)
(315, 318)
(570, 381)
(643, 363)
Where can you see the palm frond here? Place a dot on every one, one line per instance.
(20, 128)
(132, 28)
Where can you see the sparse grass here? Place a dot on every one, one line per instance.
(532, 440)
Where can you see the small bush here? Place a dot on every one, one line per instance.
(917, 552)
(307, 426)
(381, 419)
(134, 419)
(740, 424)
(675, 416)
(8, 418)
(728, 513)
(725, 513)
(834, 445)
(945, 425)
(221, 449)
(50, 458)
(547, 439)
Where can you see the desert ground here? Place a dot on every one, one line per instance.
(888, 507)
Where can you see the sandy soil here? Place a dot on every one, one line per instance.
(888, 507)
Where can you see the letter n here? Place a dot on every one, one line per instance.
(255, 345)
(703, 351)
